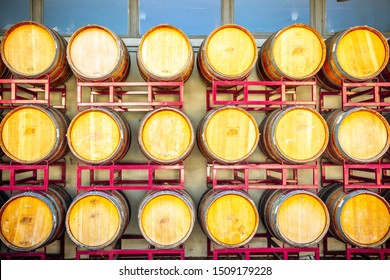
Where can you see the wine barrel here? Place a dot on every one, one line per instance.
(385, 74)
(294, 134)
(296, 52)
(32, 50)
(166, 217)
(166, 135)
(165, 54)
(357, 54)
(297, 217)
(228, 53)
(360, 217)
(97, 219)
(30, 134)
(359, 135)
(228, 134)
(95, 54)
(32, 219)
(99, 136)
(228, 217)
(4, 72)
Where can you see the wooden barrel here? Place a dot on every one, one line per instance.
(296, 52)
(297, 217)
(30, 134)
(166, 135)
(294, 134)
(32, 50)
(32, 219)
(385, 74)
(95, 53)
(359, 135)
(165, 54)
(360, 217)
(357, 54)
(228, 217)
(166, 217)
(228, 53)
(99, 136)
(4, 72)
(228, 134)
(97, 219)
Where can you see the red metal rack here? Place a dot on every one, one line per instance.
(272, 249)
(42, 253)
(20, 91)
(357, 176)
(371, 94)
(117, 174)
(17, 177)
(121, 177)
(150, 253)
(260, 95)
(261, 175)
(130, 96)
(350, 251)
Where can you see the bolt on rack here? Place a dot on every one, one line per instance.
(17, 91)
(130, 97)
(260, 96)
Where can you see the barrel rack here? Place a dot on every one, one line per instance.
(17, 177)
(373, 176)
(17, 91)
(261, 96)
(130, 97)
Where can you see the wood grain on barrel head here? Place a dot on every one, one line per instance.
(365, 219)
(302, 218)
(361, 53)
(166, 219)
(94, 52)
(231, 134)
(298, 52)
(93, 220)
(231, 51)
(26, 221)
(363, 134)
(28, 134)
(232, 219)
(166, 135)
(29, 49)
(301, 134)
(165, 52)
(94, 135)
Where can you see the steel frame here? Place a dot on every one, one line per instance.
(351, 251)
(150, 253)
(272, 249)
(41, 253)
(116, 92)
(116, 174)
(31, 176)
(371, 94)
(30, 91)
(278, 176)
(259, 95)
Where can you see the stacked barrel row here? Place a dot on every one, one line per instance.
(229, 135)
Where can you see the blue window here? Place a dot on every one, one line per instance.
(12, 12)
(343, 15)
(260, 16)
(198, 17)
(68, 16)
